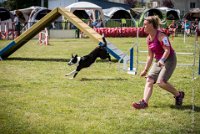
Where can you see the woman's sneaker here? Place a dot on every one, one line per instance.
(179, 99)
(140, 105)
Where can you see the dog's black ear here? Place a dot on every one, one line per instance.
(76, 55)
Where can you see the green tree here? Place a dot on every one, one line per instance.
(18, 4)
(168, 3)
(132, 3)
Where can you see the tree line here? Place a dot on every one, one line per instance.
(19, 4)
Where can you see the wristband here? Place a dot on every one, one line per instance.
(163, 59)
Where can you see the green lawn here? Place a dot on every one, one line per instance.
(36, 97)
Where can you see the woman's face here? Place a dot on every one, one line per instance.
(147, 26)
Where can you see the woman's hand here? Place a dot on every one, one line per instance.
(143, 73)
(161, 62)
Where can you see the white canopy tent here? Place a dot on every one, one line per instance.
(193, 14)
(118, 16)
(170, 13)
(117, 13)
(5, 14)
(25, 13)
(31, 14)
(37, 14)
(85, 10)
(6, 19)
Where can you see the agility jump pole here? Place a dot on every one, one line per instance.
(131, 59)
(131, 69)
(199, 62)
(196, 44)
(179, 64)
(125, 60)
(197, 47)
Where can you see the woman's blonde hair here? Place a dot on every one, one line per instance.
(154, 20)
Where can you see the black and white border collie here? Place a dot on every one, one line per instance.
(87, 60)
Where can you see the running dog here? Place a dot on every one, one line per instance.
(88, 60)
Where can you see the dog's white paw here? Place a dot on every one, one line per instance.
(71, 78)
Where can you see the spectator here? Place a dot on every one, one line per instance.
(196, 28)
(172, 29)
(187, 27)
(182, 23)
(195, 25)
(89, 22)
(94, 23)
(17, 25)
(99, 23)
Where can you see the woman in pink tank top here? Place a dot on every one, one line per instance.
(160, 49)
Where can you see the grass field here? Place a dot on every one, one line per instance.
(36, 97)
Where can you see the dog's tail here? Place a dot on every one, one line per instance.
(105, 42)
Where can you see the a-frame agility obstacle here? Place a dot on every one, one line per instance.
(48, 19)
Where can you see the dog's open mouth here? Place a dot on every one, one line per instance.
(69, 63)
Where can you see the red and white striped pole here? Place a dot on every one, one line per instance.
(44, 39)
